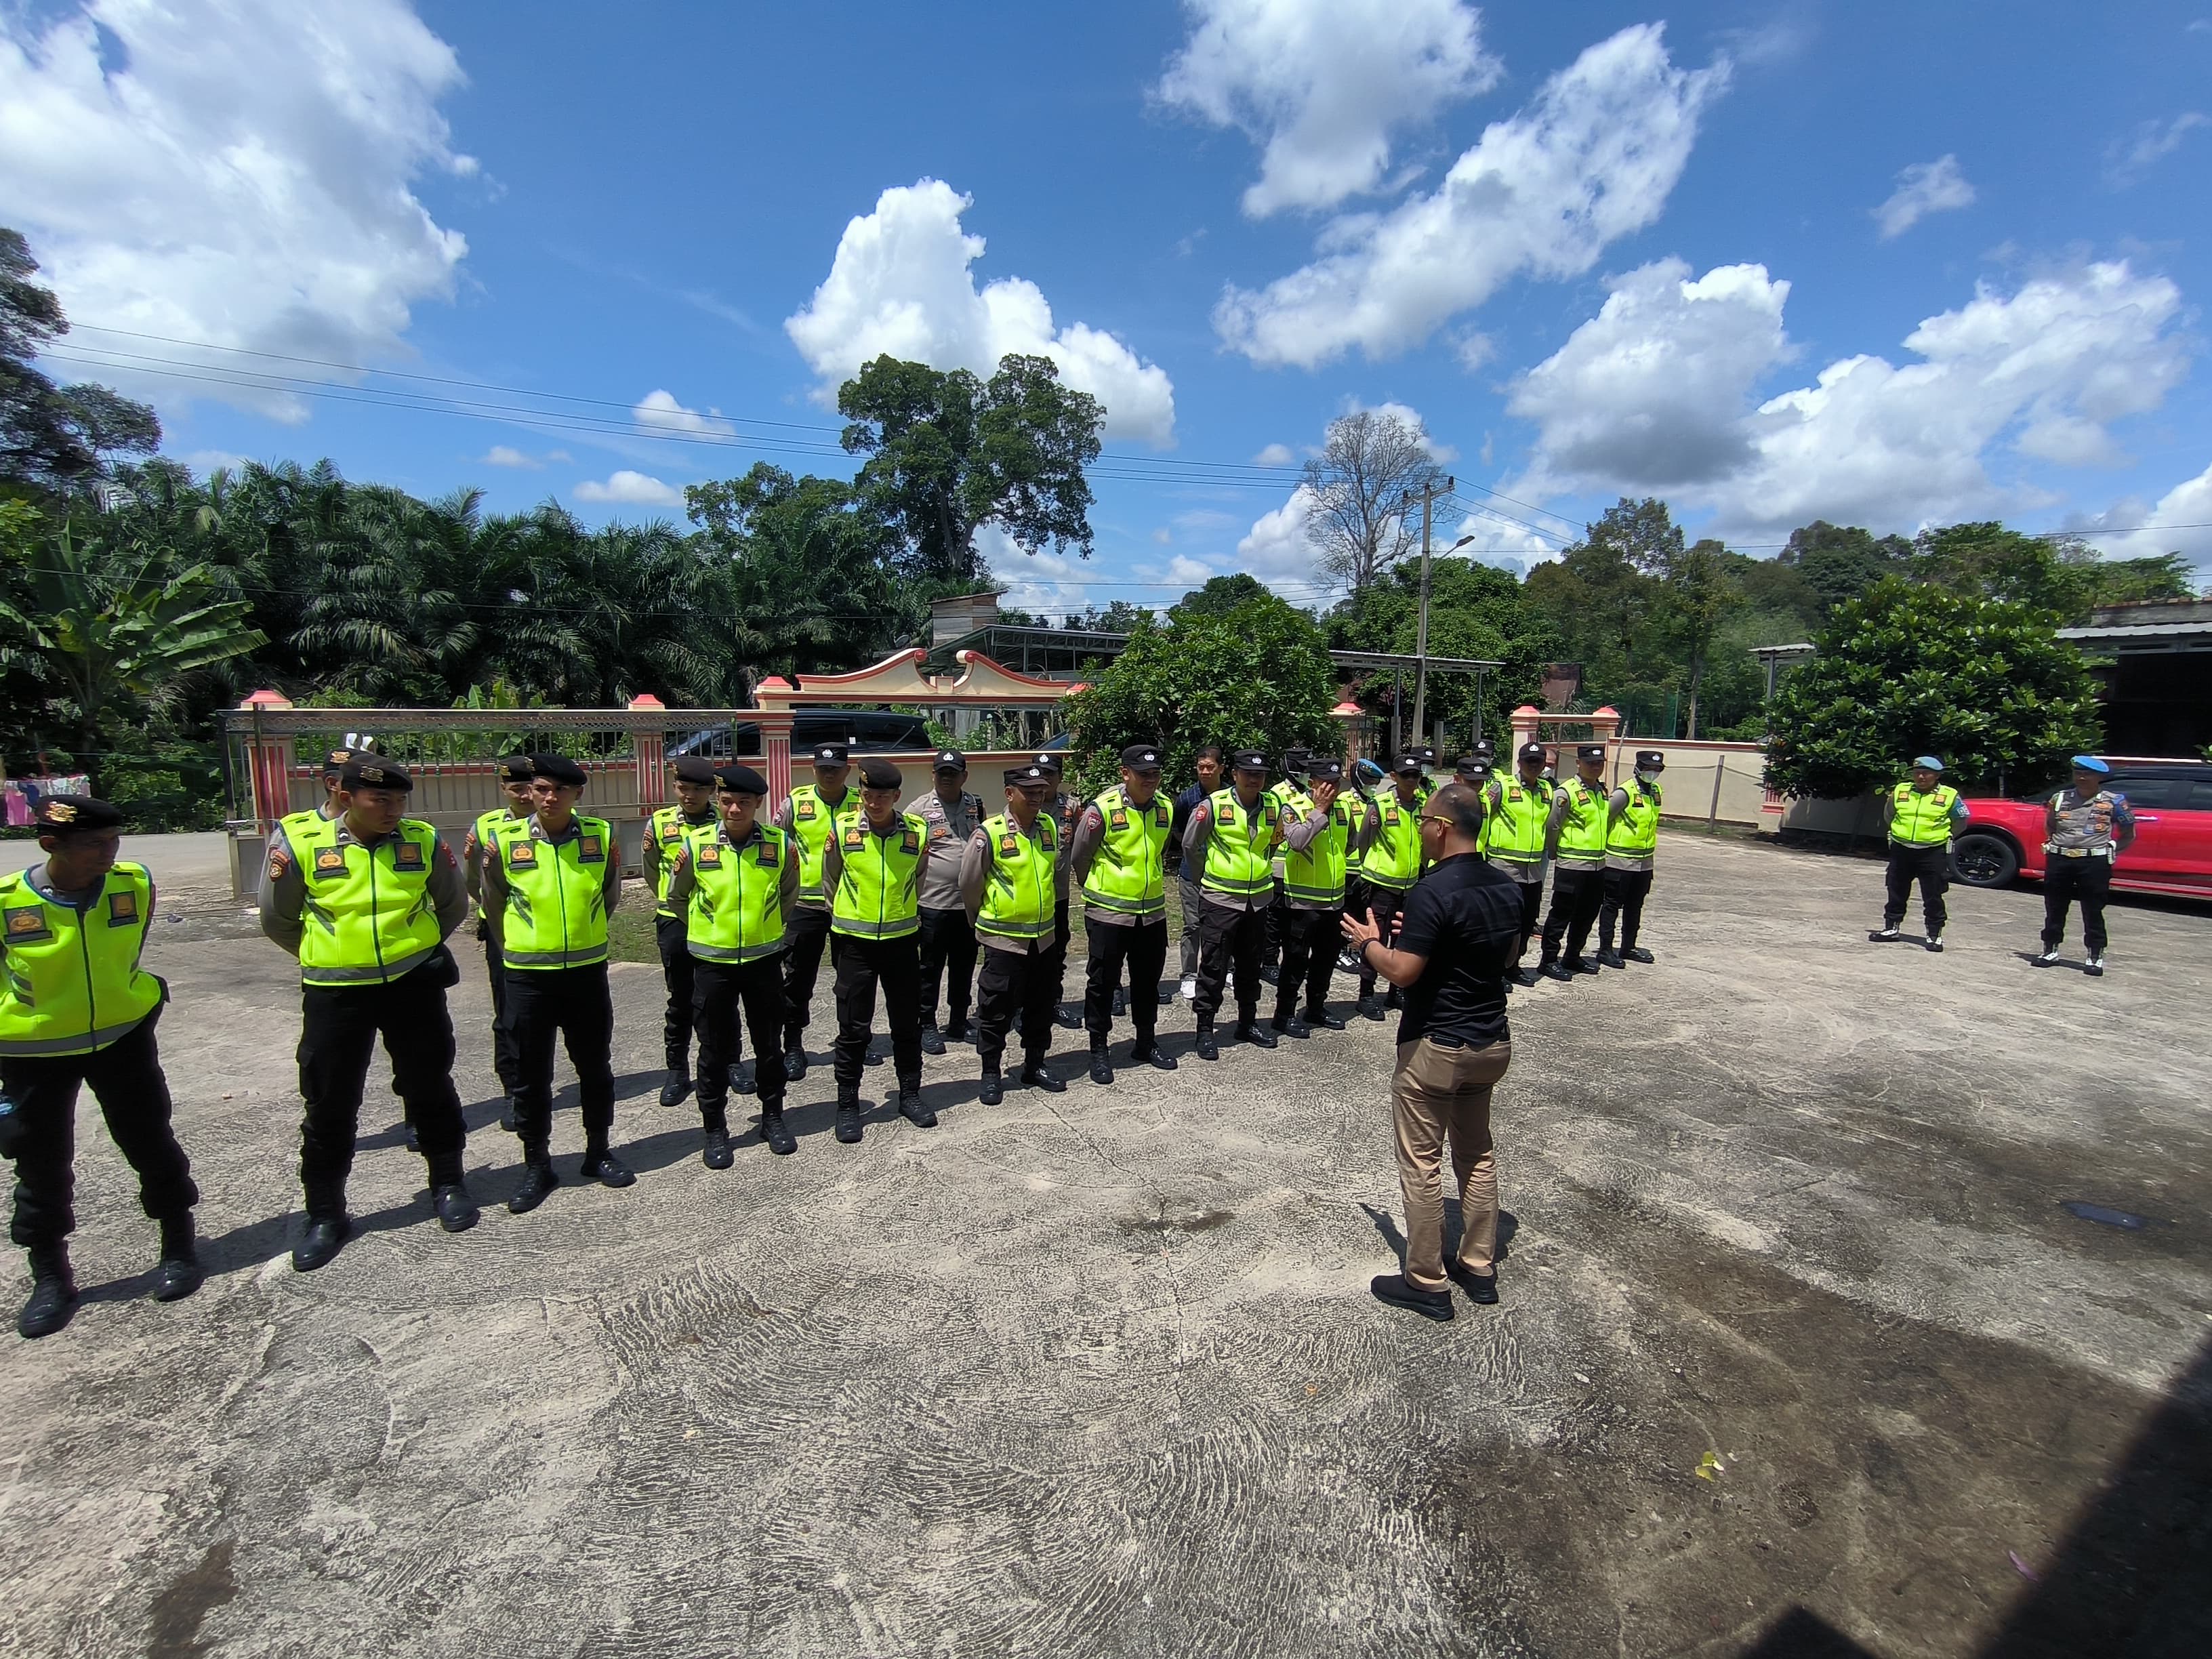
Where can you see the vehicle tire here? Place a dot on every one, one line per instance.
(1983, 860)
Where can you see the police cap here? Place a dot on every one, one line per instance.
(831, 754)
(558, 769)
(1473, 767)
(1248, 760)
(334, 762)
(1428, 752)
(1591, 751)
(1021, 777)
(1532, 751)
(1048, 763)
(951, 760)
(1141, 757)
(740, 780)
(692, 768)
(1408, 765)
(59, 814)
(1650, 760)
(879, 774)
(1327, 771)
(366, 771)
(1484, 747)
(515, 768)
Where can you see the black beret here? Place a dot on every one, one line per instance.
(831, 754)
(516, 769)
(559, 768)
(1019, 776)
(1408, 763)
(1048, 763)
(64, 813)
(334, 762)
(951, 760)
(1534, 751)
(1327, 771)
(1248, 760)
(740, 780)
(367, 771)
(1651, 757)
(692, 768)
(1591, 751)
(880, 774)
(1141, 757)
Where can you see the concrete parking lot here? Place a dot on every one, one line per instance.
(1800, 1349)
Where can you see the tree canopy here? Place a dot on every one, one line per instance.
(1371, 463)
(50, 435)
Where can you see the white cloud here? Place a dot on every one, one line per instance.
(1502, 542)
(1924, 188)
(243, 177)
(1048, 585)
(2187, 505)
(900, 283)
(1591, 159)
(1323, 83)
(2128, 160)
(1276, 455)
(1405, 413)
(502, 455)
(630, 489)
(1184, 568)
(207, 460)
(1277, 551)
(1162, 537)
(660, 412)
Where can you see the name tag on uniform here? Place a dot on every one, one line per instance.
(121, 908)
(909, 842)
(802, 808)
(710, 856)
(29, 923)
(855, 839)
(523, 854)
(590, 851)
(1119, 821)
(407, 856)
(330, 861)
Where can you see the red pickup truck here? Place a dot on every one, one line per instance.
(2172, 800)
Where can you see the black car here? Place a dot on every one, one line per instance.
(871, 731)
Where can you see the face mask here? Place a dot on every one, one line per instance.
(1645, 775)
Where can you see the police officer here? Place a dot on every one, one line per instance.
(516, 778)
(1118, 858)
(1061, 807)
(809, 813)
(334, 762)
(1209, 764)
(1391, 866)
(1632, 847)
(1325, 825)
(2086, 826)
(1515, 825)
(550, 883)
(76, 1008)
(1232, 839)
(1289, 791)
(1012, 879)
(871, 868)
(1922, 812)
(692, 809)
(948, 940)
(1574, 840)
(732, 881)
(367, 902)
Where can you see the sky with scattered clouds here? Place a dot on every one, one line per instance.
(1883, 264)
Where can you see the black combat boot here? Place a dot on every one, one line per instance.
(743, 1078)
(1320, 1019)
(538, 1180)
(848, 1113)
(1369, 1008)
(678, 1085)
(960, 1030)
(715, 1142)
(932, 1040)
(326, 1235)
(1550, 967)
(1610, 958)
(1102, 1065)
(1291, 1025)
(1208, 1048)
(994, 1090)
(177, 1273)
(53, 1292)
(1251, 1031)
(1636, 953)
(795, 1063)
(509, 1110)
(1035, 1075)
(774, 1131)
(910, 1106)
(600, 1165)
(1148, 1052)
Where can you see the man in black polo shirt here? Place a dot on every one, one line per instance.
(1457, 938)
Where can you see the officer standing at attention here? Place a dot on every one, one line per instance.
(1233, 838)
(76, 1008)
(1062, 808)
(809, 813)
(692, 809)
(1013, 878)
(1392, 865)
(550, 883)
(1574, 840)
(871, 868)
(367, 902)
(733, 881)
(1118, 858)
(1289, 791)
(333, 764)
(1922, 815)
(2085, 827)
(1324, 825)
(1632, 847)
(948, 940)
(1208, 765)
(517, 775)
(1516, 823)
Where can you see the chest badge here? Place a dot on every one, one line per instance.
(710, 856)
(122, 907)
(330, 861)
(589, 850)
(523, 855)
(408, 857)
(28, 923)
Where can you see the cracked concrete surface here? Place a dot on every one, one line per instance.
(1792, 1319)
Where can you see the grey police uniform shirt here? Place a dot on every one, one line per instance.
(849, 801)
(282, 895)
(494, 874)
(950, 830)
(974, 868)
(682, 879)
(1090, 834)
(1193, 858)
(2096, 825)
(1615, 805)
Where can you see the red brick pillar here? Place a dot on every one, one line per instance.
(269, 765)
(775, 739)
(652, 749)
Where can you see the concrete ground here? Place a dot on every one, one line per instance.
(1799, 1351)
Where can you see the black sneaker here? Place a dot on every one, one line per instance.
(714, 1146)
(604, 1168)
(2094, 966)
(1479, 1288)
(932, 1040)
(1935, 944)
(1400, 1292)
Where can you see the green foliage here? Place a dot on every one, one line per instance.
(1220, 596)
(1839, 563)
(2056, 575)
(2161, 576)
(1475, 612)
(54, 437)
(1910, 669)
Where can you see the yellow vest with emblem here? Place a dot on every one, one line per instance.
(73, 984)
(1513, 833)
(735, 912)
(812, 818)
(1316, 876)
(1918, 820)
(1582, 832)
(556, 900)
(1240, 852)
(367, 917)
(668, 829)
(880, 878)
(1635, 833)
(1018, 888)
(1394, 858)
(1129, 872)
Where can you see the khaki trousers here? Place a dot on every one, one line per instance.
(1441, 1092)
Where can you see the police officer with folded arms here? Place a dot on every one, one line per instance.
(76, 1008)
(1118, 860)
(1923, 812)
(1325, 828)
(810, 812)
(948, 940)
(367, 902)
(1013, 879)
(1515, 825)
(2086, 826)
(1232, 839)
(1574, 839)
(1391, 866)
(518, 776)
(550, 883)
(871, 868)
(664, 830)
(1631, 848)
(732, 881)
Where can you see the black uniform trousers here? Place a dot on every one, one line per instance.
(1532, 907)
(2065, 880)
(125, 1078)
(1063, 929)
(860, 965)
(675, 960)
(1929, 866)
(1229, 940)
(948, 962)
(574, 1005)
(1142, 946)
(339, 1031)
(1271, 937)
(503, 1061)
(1575, 896)
(1011, 982)
(1383, 906)
(1624, 890)
(805, 931)
(718, 989)
(1309, 942)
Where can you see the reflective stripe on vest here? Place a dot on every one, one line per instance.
(1635, 833)
(556, 900)
(1394, 860)
(1918, 820)
(812, 818)
(735, 912)
(1316, 876)
(1127, 874)
(1018, 888)
(1240, 855)
(1513, 832)
(1582, 832)
(73, 985)
(878, 878)
(367, 917)
(668, 829)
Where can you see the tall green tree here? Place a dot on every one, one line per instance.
(1839, 562)
(2057, 575)
(1699, 593)
(54, 436)
(1475, 612)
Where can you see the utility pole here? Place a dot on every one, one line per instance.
(1421, 637)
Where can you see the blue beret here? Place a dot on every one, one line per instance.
(1930, 762)
(2091, 764)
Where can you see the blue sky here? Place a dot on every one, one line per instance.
(1890, 264)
